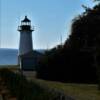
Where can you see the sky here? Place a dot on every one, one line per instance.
(51, 20)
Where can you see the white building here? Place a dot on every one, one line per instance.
(27, 57)
(25, 29)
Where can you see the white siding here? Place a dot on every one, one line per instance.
(25, 45)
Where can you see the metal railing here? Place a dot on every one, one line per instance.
(25, 27)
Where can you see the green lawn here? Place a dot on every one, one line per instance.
(9, 66)
(38, 89)
(77, 91)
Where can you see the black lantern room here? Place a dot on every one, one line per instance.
(25, 25)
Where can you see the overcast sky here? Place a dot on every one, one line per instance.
(50, 18)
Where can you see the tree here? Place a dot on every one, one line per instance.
(78, 60)
(85, 34)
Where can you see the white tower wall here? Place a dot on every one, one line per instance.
(25, 44)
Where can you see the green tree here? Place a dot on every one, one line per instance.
(85, 34)
(74, 62)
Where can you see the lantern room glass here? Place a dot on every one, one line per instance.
(26, 23)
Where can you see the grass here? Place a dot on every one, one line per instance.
(38, 89)
(77, 91)
(19, 87)
(10, 67)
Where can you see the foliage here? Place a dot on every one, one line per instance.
(78, 60)
(23, 89)
(77, 91)
(86, 34)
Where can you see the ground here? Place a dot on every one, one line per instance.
(77, 91)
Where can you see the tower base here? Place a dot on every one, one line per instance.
(29, 74)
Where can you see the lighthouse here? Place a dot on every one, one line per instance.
(27, 57)
(25, 44)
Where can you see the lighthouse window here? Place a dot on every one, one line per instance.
(25, 23)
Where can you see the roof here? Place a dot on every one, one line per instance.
(26, 19)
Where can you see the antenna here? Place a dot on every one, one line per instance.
(0, 40)
(61, 39)
(47, 47)
(0, 25)
(0, 36)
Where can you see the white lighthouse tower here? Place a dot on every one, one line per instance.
(25, 44)
(27, 57)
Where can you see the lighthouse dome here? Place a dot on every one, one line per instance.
(26, 19)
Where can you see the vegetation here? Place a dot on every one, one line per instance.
(22, 89)
(78, 91)
(18, 87)
(78, 60)
(37, 89)
(9, 66)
